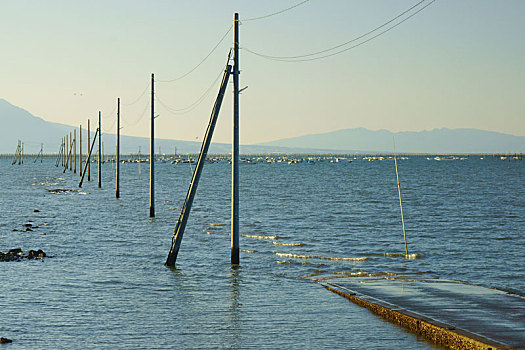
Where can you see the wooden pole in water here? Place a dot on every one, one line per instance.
(138, 163)
(70, 151)
(117, 191)
(80, 149)
(186, 208)
(400, 203)
(75, 150)
(39, 153)
(89, 163)
(90, 149)
(58, 156)
(68, 154)
(17, 153)
(152, 154)
(99, 150)
(64, 140)
(64, 150)
(235, 146)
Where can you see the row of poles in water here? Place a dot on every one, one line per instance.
(67, 156)
(19, 153)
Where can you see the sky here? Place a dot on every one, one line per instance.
(455, 64)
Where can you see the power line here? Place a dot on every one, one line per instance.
(110, 114)
(303, 58)
(275, 13)
(138, 98)
(140, 117)
(195, 104)
(201, 62)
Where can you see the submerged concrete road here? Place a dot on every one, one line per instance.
(458, 316)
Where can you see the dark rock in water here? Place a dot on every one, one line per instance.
(36, 211)
(28, 229)
(27, 225)
(17, 254)
(5, 341)
(32, 254)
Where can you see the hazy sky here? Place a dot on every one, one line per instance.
(457, 63)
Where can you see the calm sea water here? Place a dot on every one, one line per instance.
(105, 285)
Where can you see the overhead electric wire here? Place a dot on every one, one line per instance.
(200, 63)
(195, 104)
(275, 13)
(302, 58)
(138, 98)
(140, 117)
(109, 115)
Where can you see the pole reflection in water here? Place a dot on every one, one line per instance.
(235, 308)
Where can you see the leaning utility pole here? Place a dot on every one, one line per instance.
(152, 154)
(186, 208)
(90, 149)
(117, 193)
(235, 146)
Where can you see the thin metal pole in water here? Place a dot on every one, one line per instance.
(90, 149)
(152, 154)
(22, 153)
(89, 163)
(99, 151)
(80, 149)
(186, 208)
(235, 146)
(399, 192)
(117, 193)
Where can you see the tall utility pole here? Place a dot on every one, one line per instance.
(88, 160)
(75, 150)
(80, 150)
(70, 149)
(117, 193)
(152, 154)
(99, 151)
(235, 146)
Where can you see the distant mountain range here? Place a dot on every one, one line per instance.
(437, 141)
(18, 124)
